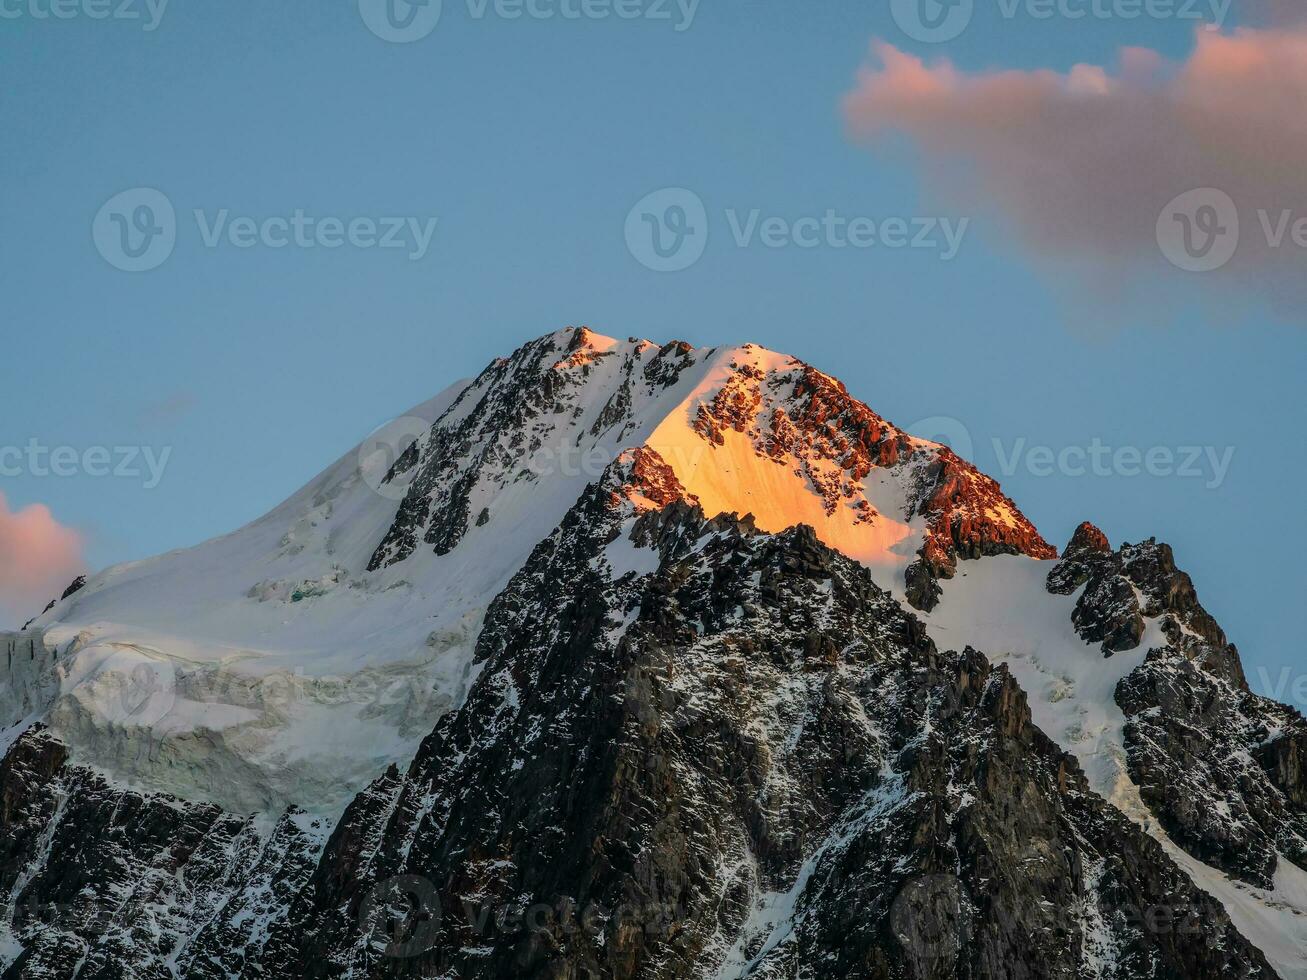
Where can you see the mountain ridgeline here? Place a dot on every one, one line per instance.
(646, 662)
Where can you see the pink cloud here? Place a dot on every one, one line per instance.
(1079, 166)
(38, 558)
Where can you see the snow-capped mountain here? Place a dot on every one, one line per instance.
(626, 660)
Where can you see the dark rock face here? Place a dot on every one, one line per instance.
(1220, 767)
(76, 585)
(958, 502)
(771, 727)
(1108, 610)
(820, 423)
(105, 882)
(27, 800)
(501, 417)
(1086, 556)
(1139, 581)
(750, 761)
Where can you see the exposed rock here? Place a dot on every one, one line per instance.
(107, 882)
(1220, 767)
(770, 728)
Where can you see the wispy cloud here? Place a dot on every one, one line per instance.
(169, 409)
(1081, 165)
(38, 558)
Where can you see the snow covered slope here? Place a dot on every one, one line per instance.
(618, 621)
(1004, 606)
(291, 661)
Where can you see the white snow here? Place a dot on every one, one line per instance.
(736, 478)
(1001, 607)
(268, 667)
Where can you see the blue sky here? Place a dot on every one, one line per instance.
(529, 141)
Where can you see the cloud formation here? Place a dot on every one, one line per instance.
(1080, 165)
(38, 558)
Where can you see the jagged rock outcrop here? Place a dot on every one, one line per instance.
(789, 412)
(764, 773)
(106, 882)
(1219, 766)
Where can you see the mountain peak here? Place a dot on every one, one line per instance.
(744, 429)
(387, 570)
(616, 613)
